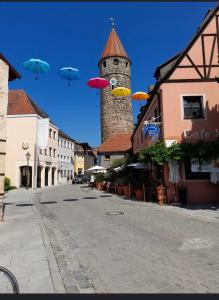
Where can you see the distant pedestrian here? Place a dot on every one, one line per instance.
(92, 181)
(68, 179)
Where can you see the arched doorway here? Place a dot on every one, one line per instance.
(46, 175)
(53, 175)
(39, 171)
(26, 176)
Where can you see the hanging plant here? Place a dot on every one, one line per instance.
(201, 151)
(157, 153)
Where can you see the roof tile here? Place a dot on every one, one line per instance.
(120, 142)
(114, 46)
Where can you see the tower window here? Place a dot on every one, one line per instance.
(126, 64)
(116, 61)
(104, 64)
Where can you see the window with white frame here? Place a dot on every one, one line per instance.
(193, 107)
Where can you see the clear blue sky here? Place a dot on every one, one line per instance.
(74, 34)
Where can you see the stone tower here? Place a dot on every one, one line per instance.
(116, 112)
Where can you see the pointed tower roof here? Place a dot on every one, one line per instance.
(114, 46)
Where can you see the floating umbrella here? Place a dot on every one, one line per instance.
(121, 92)
(98, 83)
(69, 74)
(140, 96)
(36, 66)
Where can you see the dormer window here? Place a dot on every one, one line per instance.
(116, 61)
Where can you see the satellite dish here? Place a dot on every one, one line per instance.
(113, 81)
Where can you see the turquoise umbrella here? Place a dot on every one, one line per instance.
(36, 66)
(69, 74)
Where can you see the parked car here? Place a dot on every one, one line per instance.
(79, 179)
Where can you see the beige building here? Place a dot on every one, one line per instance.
(25, 165)
(7, 73)
(78, 159)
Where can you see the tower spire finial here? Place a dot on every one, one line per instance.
(112, 20)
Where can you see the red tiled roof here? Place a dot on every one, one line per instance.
(19, 103)
(114, 46)
(120, 142)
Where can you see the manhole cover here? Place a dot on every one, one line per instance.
(114, 213)
(196, 244)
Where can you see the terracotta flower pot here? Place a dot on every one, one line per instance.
(161, 190)
(104, 186)
(161, 199)
(139, 194)
(120, 190)
(100, 186)
(126, 190)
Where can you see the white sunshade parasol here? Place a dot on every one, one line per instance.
(96, 169)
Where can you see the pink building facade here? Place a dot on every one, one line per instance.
(186, 97)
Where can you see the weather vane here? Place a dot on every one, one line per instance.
(112, 20)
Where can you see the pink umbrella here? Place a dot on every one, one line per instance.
(98, 83)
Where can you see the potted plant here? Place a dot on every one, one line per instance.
(138, 183)
(99, 180)
(120, 183)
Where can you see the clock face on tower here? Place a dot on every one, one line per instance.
(25, 145)
(113, 81)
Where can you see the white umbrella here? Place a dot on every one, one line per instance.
(137, 165)
(174, 176)
(119, 168)
(96, 169)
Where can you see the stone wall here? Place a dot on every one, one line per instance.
(4, 71)
(116, 112)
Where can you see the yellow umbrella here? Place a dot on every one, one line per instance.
(140, 96)
(121, 92)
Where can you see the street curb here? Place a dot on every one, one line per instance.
(53, 267)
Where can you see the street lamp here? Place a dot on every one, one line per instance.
(28, 173)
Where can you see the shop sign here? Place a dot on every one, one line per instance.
(151, 130)
(201, 134)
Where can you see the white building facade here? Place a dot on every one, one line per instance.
(66, 147)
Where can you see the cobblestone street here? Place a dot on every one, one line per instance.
(101, 243)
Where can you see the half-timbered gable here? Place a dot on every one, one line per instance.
(199, 61)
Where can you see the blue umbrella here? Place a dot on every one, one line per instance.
(69, 74)
(36, 66)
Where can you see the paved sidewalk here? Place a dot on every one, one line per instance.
(25, 247)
